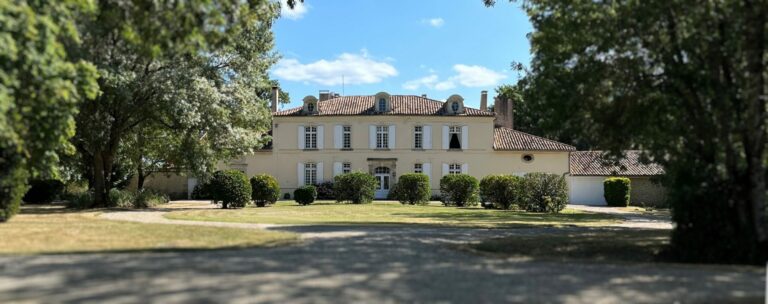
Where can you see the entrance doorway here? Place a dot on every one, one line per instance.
(383, 177)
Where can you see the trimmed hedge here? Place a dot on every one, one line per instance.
(460, 190)
(264, 190)
(43, 191)
(355, 187)
(325, 191)
(502, 191)
(231, 189)
(544, 192)
(412, 188)
(616, 191)
(305, 195)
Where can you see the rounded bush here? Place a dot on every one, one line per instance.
(616, 191)
(264, 190)
(43, 191)
(412, 188)
(203, 191)
(502, 191)
(121, 198)
(325, 191)
(355, 187)
(460, 190)
(305, 195)
(147, 198)
(286, 196)
(544, 192)
(231, 189)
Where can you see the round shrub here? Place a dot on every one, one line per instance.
(543, 192)
(231, 189)
(616, 191)
(286, 196)
(43, 191)
(305, 195)
(460, 190)
(202, 191)
(325, 191)
(121, 198)
(502, 191)
(355, 187)
(412, 188)
(264, 190)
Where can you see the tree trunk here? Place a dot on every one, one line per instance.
(141, 177)
(99, 182)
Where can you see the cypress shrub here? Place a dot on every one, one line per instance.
(264, 190)
(460, 190)
(412, 188)
(503, 191)
(616, 191)
(305, 195)
(231, 189)
(543, 192)
(43, 191)
(355, 187)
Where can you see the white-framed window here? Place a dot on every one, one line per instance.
(310, 174)
(310, 137)
(311, 107)
(346, 168)
(418, 168)
(382, 104)
(346, 137)
(382, 137)
(454, 137)
(455, 107)
(454, 169)
(418, 137)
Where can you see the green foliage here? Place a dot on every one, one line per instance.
(121, 198)
(616, 191)
(412, 188)
(81, 200)
(147, 198)
(231, 189)
(43, 191)
(544, 192)
(286, 196)
(503, 191)
(264, 190)
(355, 187)
(202, 191)
(305, 195)
(325, 191)
(689, 82)
(459, 190)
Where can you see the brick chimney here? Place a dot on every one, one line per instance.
(484, 100)
(423, 95)
(504, 110)
(275, 98)
(324, 95)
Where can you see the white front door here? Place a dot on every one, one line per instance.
(383, 178)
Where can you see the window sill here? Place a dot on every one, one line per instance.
(312, 149)
(455, 150)
(418, 149)
(381, 149)
(346, 149)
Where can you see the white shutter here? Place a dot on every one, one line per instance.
(445, 169)
(391, 134)
(465, 168)
(336, 168)
(465, 137)
(300, 174)
(301, 137)
(320, 137)
(427, 138)
(427, 169)
(338, 131)
(372, 136)
(319, 173)
(445, 137)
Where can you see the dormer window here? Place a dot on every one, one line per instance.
(311, 107)
(455, 107)
(382, 105)
(382, 102)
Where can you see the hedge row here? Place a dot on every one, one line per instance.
(535, 192)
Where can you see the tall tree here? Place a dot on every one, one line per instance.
(186, 72)
(683, 80)
(39, 91)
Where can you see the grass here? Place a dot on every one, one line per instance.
(58, 230)
(331, 213)
(625, 245)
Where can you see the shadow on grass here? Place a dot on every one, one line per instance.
(499, 216)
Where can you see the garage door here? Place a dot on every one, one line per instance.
(586, 190)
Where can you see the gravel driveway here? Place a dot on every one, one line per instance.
(383, 264)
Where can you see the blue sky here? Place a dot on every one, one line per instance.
(438, 48)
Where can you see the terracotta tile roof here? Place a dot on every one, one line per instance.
(513, 140)
(364, 105)
(593, 163)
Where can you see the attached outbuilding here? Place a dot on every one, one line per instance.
(588, 170)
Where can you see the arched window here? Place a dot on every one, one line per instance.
(311, 107)
(382, 104)
(455, 107)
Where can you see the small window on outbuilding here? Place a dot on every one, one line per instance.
(527, 158)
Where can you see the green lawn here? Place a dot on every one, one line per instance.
(57, 230)
(327, 212)
(598, 244)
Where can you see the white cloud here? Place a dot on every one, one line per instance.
(466, 75)
(356, 69)
(296, 13)
(434, 22)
